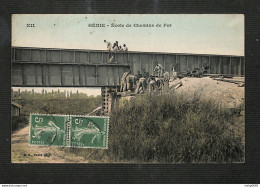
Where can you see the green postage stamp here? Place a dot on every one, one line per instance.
(69, 131)
(89, 132)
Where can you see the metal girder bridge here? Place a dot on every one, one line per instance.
(35, 74)
(37, 67)
(44, 67)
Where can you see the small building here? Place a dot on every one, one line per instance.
(16, 108)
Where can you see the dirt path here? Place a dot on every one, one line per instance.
(22, 152)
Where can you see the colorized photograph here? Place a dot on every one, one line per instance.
(128, 88)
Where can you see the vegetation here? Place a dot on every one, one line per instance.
(19, 122)
(157, 129)
(169, 129)
(52, 103)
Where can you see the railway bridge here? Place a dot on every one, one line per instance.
(52, 67)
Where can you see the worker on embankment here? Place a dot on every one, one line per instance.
(158, 68)
(141, 85)
(174, 73)
(130, 82)
(151, 83)
(123, 81)
(166, 79)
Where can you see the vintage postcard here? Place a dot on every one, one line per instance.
(128, 88)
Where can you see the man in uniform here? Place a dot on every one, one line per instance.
(123, 81)
(110, 60)
(151, 83)
(145, 74)
(115, 46)
(125, 48)
(166, 79)
(130, 82)
(174, 73)
(158, 68)
(166, 76)
(109, 48)
(159, 82)
(139, 75)
(141, 85)
(142, 82)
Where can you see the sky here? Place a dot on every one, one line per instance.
(174, 33)
(185, 33)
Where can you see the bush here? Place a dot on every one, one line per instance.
(80, 106)
(171, 129)
(19, 122)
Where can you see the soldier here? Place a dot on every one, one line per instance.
(174, 73)
(158, 68)
(141, 85)
(125, 48)
(166, 76)
(166, 79)
(139, 75)
(145, 74)
(159, 82)
(123, 81)
(110, 60)
(130, 81)
(115, 46)
(109, 46)
(142, 82)
(151, 83)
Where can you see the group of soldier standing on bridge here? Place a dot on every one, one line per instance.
(115, 47)
(141, 83)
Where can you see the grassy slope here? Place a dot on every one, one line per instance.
(170, 129)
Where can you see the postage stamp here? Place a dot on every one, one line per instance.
(69, 131)
(89, 132)
(48, 130)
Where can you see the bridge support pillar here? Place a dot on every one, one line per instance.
(109, 99)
